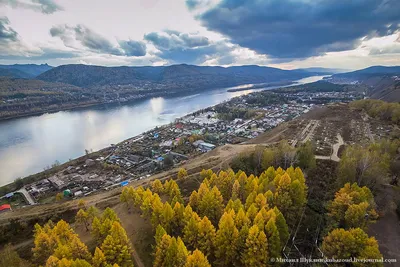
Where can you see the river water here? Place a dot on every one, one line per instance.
(29, 144)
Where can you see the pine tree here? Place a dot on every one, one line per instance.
(116, 247)
(197, 259)
(256, 252)
(226, 240)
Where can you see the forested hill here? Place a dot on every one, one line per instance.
(371, 71)
(23, 70)
(170, 77)
(383, 82)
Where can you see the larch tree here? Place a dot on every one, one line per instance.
(178, 221)
(343, 244)
(274, 241)
(82, 217)
(182, 174)
(99, 259)
(241, 219)
(206, 237)
(256, 251)
(116, 247)
(197, 259)
(226, 240)
(60, 241)
(353, 206)
(157, 208)
(157, 186)
(191, 231)
(160, 232)
(170, 252)
(82, 204)
(211, 205)
(167, 216)
(236, 190)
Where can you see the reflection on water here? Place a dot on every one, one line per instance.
(29, 144)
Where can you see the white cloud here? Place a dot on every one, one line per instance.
(122, 24)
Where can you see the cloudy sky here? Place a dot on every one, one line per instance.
(289, 34)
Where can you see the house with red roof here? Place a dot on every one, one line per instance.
(5, 208)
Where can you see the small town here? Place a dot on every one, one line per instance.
(232, 122)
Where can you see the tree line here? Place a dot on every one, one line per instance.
(232, 219)
(379, 109)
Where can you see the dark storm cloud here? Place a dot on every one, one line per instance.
(177, 47)
(95, 42)
(296, 29)
(44, 6)
(175, 40)
(7, 34)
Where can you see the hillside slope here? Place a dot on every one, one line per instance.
(383, 82)
(168, 77)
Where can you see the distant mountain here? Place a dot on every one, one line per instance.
(169, 77)
(383, 82)
(14, 73)
(23, 70)
(324, 70)
(371, 71)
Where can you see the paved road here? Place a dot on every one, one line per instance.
(27, 196)
(335, 150)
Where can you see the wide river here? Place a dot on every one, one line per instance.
(29, 144)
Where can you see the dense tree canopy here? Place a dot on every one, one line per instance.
(353, 206)
(232, 219)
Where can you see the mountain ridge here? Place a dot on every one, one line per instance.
(173, 76)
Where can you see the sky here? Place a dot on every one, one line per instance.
(288, 34)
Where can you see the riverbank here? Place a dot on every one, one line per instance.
(261, 86)
(27, 145)
(130, 99)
